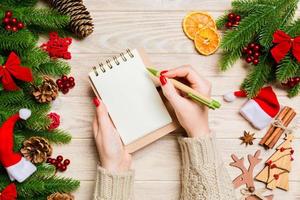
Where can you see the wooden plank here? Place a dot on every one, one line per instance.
(159, 161)
(162, 5)
(77, 114)
(170, 190)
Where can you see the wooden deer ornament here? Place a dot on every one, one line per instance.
(250, 193)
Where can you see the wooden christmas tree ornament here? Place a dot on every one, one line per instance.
(250, 192)
(278, 166)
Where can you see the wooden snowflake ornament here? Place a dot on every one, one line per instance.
(250, 192)
(278, 166)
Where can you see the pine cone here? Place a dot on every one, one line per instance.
(46, 92)
(60, 196)
(36, 149)
(81, 21)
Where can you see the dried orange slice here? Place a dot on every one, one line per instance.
(195, 21)
(207, 41)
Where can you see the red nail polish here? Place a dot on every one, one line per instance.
(163, 72)
(163, 80)
(96, 101)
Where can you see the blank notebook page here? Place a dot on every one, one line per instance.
(131, 98)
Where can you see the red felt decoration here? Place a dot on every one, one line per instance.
(284, 43)
(57, 47)
(12, 68)
(9, 193)
(55, 120)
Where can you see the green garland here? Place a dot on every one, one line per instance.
(260, 19)
(24, 42)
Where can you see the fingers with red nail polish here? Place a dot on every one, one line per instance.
(96, 102)
(163, 72)
(163, 80)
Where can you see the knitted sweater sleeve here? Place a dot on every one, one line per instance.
(110, 186)
(203, 175)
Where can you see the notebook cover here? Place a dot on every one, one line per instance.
(155, 135)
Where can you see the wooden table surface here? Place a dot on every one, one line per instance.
(156, 26)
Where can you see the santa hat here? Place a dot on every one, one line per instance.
(260, 110)
(17, 167)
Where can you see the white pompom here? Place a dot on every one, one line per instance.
(229, 97)
(24, 113)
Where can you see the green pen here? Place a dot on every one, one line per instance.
(193, 94)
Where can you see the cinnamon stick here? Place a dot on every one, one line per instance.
(272, 128)
(274, 141)
(278, 130)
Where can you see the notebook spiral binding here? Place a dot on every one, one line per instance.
(123, 56)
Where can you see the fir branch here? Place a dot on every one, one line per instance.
(229, 58)
(8, 97)
(57, 184)
(45, 18)
(44, 170)
(256, 79)
(287, 68)
(247, 6)
(221, 21)
(55, 68)
(56, 136)
(35, 58)
(19, 3)
(294, 91)
(293, 29)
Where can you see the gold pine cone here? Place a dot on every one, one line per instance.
(46, 92)
(36, 149)
(60, 196)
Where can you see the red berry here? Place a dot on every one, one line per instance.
(282, 149)
(229, 24)
(13, 20)
(53, 161)
(248, 59)
(58, 81)
(72, 84)
(292, 151)
(245, 49)
(269, 163)
(273, 166)
(252, 45)
(64, 78)
(292, 159)
(58, 165)
(249, 52)
(231, 16)
(67, 162)
(236, 23)
(49, 160)
(237, 18)
(8, 27)
(71, 79)
(62, 168)
(255, 62)
(67, 85)
(65, 90)
(8, 14)
(59, 158)
(20, 25)
(6, 20)
(60, 86)
(257, 47)
(14, 29)
(256, 54)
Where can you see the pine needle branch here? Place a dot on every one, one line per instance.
(287, 68)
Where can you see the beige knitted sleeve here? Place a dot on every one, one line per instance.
(110, 186)
(203, 174)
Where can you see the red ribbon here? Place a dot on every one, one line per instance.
(12, 68)
(284, 44)
(9, 193)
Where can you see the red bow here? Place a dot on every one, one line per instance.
(284, 44)
(9, 193)
(13, 68)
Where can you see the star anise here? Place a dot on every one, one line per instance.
(247, 138)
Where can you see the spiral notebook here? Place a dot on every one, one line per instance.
(133, 103)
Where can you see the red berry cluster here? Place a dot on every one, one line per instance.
(59, 163)
(65, 84)
(252, 52)
(11, 23)
(233, 20)
(57, 47)
(291, 82)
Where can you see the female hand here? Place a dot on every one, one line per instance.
(192, 116)
(113, 156)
